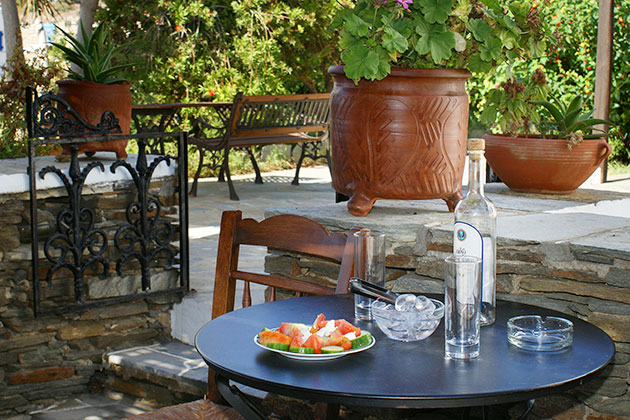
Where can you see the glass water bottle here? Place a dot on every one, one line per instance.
(474, 230)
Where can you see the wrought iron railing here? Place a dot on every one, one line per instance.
(148, 246)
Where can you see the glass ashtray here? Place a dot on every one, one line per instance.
(533, 332)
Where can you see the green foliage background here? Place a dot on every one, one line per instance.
(201, 50)
(195, 50)
(571, 68)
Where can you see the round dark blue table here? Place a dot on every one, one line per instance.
(394, 373)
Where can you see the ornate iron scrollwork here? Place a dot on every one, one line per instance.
(50, 115)
(145, 236)
(76, 244)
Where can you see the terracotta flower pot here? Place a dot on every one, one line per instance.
(403, 137)
(544, 166)
(90, 100)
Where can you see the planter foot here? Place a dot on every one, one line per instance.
(452, 201)
(360, 205)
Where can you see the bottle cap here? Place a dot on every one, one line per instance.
(476, 144)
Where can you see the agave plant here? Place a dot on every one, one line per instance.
(569, 122)
(93, 56)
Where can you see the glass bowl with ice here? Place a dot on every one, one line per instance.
(412, 318)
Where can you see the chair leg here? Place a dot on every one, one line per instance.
(221, 177)
(238, 400)
(226, 167)
(296, 179)
(252, 158)
(193, 189)
(324, 411)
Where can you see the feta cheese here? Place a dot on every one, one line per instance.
(330, 327)
(351, 335)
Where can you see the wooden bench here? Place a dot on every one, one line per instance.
(261, 121)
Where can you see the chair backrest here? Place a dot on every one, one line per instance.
(284, 232)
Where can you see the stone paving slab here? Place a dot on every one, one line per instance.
(174, 360)
(107, 405)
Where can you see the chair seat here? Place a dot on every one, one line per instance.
(200, 409)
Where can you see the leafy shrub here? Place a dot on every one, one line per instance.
(570, 69)
(193, 50)
(16, 76)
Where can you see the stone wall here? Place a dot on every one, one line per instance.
(576, 263)
(48, 357)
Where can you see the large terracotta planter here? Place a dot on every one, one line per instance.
(403, 137)
(545, 166)
(90, 100)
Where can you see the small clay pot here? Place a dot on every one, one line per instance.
(90, 100)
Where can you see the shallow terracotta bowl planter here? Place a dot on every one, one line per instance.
(544, 166)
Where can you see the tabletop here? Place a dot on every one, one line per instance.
(394, 373)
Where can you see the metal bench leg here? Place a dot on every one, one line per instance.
(238, 400)
(252, 158)
(296, 179)
(221, 177)
(226, 167)
(193, 189)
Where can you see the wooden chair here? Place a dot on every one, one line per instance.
(284, 232)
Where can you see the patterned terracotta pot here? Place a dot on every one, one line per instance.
(403, 137)
(545, 166)
(90, 100)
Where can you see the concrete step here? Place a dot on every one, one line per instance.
(162, 374)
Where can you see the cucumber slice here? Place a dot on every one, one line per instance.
(278, 346)
(266, 329)
(332, 349)
(361, 341)
(302, 350)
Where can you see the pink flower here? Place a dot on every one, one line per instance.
(404, 3)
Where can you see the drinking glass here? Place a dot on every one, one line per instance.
(462, 306)
(369, 265)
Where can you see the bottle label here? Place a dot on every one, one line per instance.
(467, 240)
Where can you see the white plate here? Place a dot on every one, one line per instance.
(300, 356)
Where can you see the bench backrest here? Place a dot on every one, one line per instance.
(280, 114)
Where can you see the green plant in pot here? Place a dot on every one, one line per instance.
(547, 147)
(399, 108)
(98, 86)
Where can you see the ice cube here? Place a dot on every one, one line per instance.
(424, 304)
(406, 302)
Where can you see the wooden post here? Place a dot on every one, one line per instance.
(603, 70)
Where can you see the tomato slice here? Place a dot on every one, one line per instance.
(315, 342)
(297, 340)
(345, 327)
(287, 328)
(267, 337)
(320, 322)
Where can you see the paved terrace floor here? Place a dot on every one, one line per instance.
(205, 213)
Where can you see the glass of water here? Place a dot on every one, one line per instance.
(369, 265)
(462, 306)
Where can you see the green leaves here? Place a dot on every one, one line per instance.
(357, 26)
(490, 50)
(435, 39)
(480, 29)
(94, 55)
(478, 35)
(436, 11)
(394, 41)
(568, 120)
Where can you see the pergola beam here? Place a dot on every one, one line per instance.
(603, 69)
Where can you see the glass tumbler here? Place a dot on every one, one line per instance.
(369, 265)
(462, 306)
